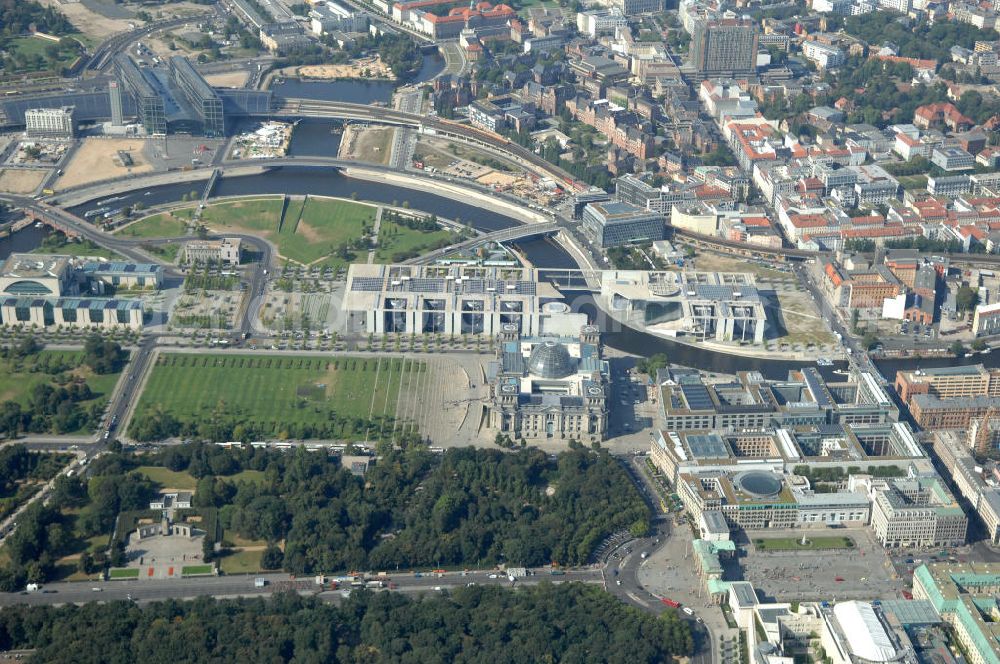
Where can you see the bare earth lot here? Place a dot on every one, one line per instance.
(95, 161)
(88, 22)
(229, 79)
(20, 180)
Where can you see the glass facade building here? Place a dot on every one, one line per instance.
(615, 224)
(148, 100)
(206, 104)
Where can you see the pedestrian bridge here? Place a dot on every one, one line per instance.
(504, 235)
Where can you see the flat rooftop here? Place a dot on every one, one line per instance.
(34, 266)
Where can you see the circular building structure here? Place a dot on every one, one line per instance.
(759, 483)
(551, 360)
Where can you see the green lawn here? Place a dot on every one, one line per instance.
(258, 216)
(795, 543)
(165, 224)
(197, 569)
(123, 573)
(312, 228)
(270, 393)
(396, 240)
(169, 479)
(17, 378)
(241, 562)
(252, 476)
(324, 225)
(30, 48)
(84, 248)
(167, 252)
(913, 182)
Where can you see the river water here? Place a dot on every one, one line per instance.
(22, 241)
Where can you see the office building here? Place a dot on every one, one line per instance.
(948, 382)
(148, 100)
(723, 47)
(965, 596)
(117, 111)
(825, 56)
(931, 412)
(613, 224)
(37, 274)
(804, 399)
(398, 299)
(952, 158)
(633, 7)
(954, 449)
(227, 251)
(47, 290)
(71, 312)
(203, 100)
(116, 274)
(949, 185)
(986, 320)
(330, 16)
(596, 22)
(50, 122)
(916, 512)
(827, 447)
(544, 388)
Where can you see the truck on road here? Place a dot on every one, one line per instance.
(259, 583)
(671, 603)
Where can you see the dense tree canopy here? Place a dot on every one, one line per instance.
(564, 623)
(922, 40)
(17, 15)
(416, 508)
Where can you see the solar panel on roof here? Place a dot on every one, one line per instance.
(367, 284)
(697, 397)
(817, 389)
(707, 446)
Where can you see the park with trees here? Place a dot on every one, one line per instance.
(547, 623)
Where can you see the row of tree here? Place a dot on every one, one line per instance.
(548, 623)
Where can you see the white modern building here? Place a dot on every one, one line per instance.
(50, 122)
(597, 22)
(437, 299)
(825, 56)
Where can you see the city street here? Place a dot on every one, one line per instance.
(243, 586)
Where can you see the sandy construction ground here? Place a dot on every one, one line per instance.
(89, 22)
(499, 179)
(230, 79)
(360, 68)
(20, 180)
(95, 161)
(367, 144)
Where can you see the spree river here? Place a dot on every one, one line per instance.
(542, 253)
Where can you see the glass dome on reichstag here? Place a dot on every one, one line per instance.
(550, 359)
